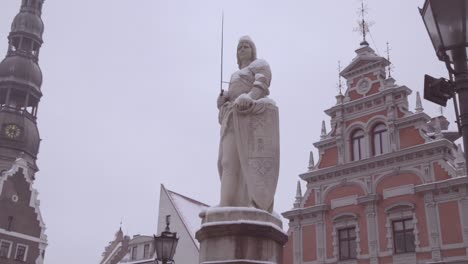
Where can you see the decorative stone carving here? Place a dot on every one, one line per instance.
(249, 150)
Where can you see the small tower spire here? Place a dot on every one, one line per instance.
(437, 128)
(311, 160)
(297, 202)
(340, 86)
(419, 107)
(390, 65)
(323, 133)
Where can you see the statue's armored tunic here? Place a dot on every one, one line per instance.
(249, 149)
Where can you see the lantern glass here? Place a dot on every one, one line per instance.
(165, 246)
(445, 21)
(431, 26)
(449, 17)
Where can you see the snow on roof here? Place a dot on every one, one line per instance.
(189, 210)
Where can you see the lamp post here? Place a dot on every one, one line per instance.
(166, 244)
(447, 24)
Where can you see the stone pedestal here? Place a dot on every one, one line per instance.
(240, 235)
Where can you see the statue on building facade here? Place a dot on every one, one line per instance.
(248, 160)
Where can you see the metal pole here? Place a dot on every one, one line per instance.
(461, 84)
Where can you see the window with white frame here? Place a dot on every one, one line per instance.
(347, 243)
(5, 248)
(380, 140)
(346, 237)
(21, 252)
(403, 235)
(402, 228)
(357, 145)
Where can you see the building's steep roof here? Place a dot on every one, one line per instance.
(188, 210)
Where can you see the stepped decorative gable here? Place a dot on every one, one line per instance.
(390, 185)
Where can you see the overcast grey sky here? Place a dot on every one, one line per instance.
(130, 93)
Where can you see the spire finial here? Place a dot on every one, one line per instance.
(297, 202)
(323, 133)
(363, 25)
(311, 161)
(437, 128)
(441, 109)
(340, 85)
(390, 66)
(419, 107)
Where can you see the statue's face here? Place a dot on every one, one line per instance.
(244, 51)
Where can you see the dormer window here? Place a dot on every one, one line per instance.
(380, 139)
(357, 145)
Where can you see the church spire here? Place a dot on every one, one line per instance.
(20, 85)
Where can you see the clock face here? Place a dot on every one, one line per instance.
(12, 131)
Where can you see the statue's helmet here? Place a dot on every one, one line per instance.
(247, 39)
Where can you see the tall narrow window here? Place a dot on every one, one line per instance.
(403, 236)
(380, 139)
(146, 251)
(21, 251)
(5, 249)
(347, 243)
(357, 144)
(134, 252)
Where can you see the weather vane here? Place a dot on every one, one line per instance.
(340, 86)
(363, 25)
(390, 66)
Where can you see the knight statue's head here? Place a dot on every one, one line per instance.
(246, 51)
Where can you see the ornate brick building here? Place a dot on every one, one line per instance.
(390, 185)
(22, 230)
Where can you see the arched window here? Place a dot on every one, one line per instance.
(380, 142)
(357, 145)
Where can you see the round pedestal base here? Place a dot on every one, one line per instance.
(240, 235)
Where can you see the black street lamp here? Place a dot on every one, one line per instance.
(446, 22)
(166, 244)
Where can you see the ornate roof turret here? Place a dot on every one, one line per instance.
(29, 19)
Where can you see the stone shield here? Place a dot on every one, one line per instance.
(257, 138)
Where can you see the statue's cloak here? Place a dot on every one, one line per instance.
(257, 137)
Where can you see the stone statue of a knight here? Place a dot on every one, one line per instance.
(249, 148)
